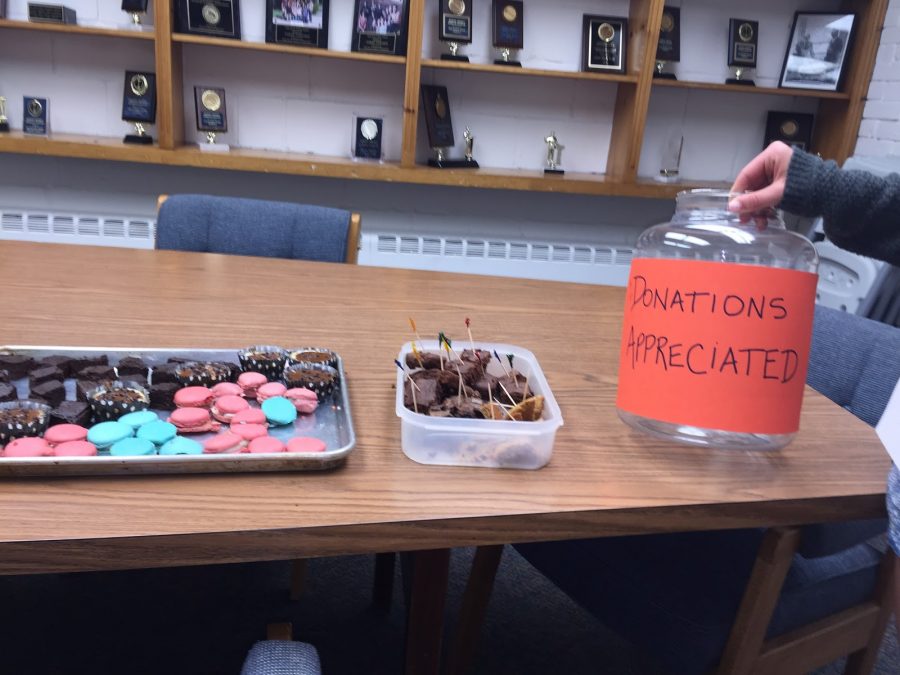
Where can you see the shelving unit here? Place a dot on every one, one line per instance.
(837, 125)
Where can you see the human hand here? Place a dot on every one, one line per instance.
(764, 177)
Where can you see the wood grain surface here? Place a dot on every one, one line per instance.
(603, 479)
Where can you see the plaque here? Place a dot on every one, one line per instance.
(668, 49)
(455, 26)
(380, 27)
(39, 13)
(35, 116)
(367, 135)
(439, 125)
(792, 128)
(604, 43)
(508, 21)
(297, 22)
(4, 120)
(218, 18)
(2, 9)
(212, 116)
(139, 105)
(137, 8)
(554, 154)
(743, 38)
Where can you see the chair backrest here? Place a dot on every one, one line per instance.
(845, 278)
(236, 226)
(883, 302)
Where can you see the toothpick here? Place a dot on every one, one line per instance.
(405, 372)
(525, 392)
(462, 389)
(418, 356)
(510, 357)
(505, 391)
(469, 331)
(505, 371)
(441, 348)
(445, 341)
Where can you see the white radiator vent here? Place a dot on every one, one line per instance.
(70, 228)
(564, 262)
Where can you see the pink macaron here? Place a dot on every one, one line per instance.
(249, 383)
(270, 390)
(227, 407)
(28, 447)
(305, 400)
(75, 449)
(250, 431)
(226, 389)
(305, 444)
(65, 433)
(265, 445)
(193, 421)
(249, 416)
(194, 397)
(224, 444)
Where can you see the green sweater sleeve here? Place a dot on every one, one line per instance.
(861, 211)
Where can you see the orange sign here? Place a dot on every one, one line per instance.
(715, 345)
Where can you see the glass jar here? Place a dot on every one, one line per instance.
(754, 326)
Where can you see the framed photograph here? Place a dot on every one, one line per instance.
(817, 50)
(297, 22)
(792, 128)
(380, 27)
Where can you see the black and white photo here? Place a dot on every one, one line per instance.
(817, 50)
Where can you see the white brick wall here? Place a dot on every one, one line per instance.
(879, 133)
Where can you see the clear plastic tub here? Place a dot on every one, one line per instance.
(491, 443)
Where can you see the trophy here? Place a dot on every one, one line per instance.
(209, 102)
(509, 29)
(455, 26)
(554, 154)
(743, 37)
(4, 120)
(137, 8)
(367, 135)
(297, 23)
(671, 160)
(668, 49)
(439, 125)
(39, 13)
(469, 138)
(604, 43)
(35, 119)
(139, 105)
(217, 18)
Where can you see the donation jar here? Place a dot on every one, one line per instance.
(718, 321)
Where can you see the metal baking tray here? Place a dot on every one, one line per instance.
(332, 423)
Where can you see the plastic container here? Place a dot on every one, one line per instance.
(702, 230)
(489, 443)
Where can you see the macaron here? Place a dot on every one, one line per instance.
(75, 449)
(194, 397)
(193, 420)
(158, 432)
(181, 446)
(227, 389)
(270, 390)
(65, 433)
(265, 445)
(103, 435)
(226, 407)
(305, 400)
(250, 431)
(131, 447)
(279, 411)
(251, 416)
(250, 382)
(224, 443)
(305, 444)
(28, 446)
(138, 419)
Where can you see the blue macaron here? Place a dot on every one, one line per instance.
(279, 410)
(138, 419)
(103, 435)
(158, 432)
(181, 446)
(131, 447)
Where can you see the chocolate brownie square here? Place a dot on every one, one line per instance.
(7, 392)
(53, 392)
(64, 363)
(162, 396)
(4, 376)
(79, 363)
(131, 365)
(97, 373)
(85, 387)
(137, 379)
(44, 374)
(164, 373)
(71, 412)
(16, 364)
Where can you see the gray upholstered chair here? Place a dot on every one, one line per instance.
(281, 655)
(237, 226)
(786, 600)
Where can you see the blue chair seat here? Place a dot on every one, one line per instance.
(282, 657)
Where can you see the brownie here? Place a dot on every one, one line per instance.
(16, 364)
(481, 356)
(178, 359)
(85, 387)
(515, 386)
(97, 373)
(164, 373)
(131, 365)
(202, 373)
(79, 363)
(427, 395)
(44, 374)
(52, 392)
(4, 376)
(162, 396)
(64, 363)
(137, 379)
(486, 386)
(429, 360)
(460, 406)
(22, 418)
(71, 412)
(7, 392)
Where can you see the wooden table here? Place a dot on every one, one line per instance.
(604, 479)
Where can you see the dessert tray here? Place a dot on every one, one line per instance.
(331, 422)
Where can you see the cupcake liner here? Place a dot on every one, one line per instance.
(10, 430)
(271, 368)
(313, 355)
(202, 374)
(105, 409)
(323, 389)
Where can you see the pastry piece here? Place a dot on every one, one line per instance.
(132, 447)
(52, 392)
(193, 397)
(162, 396)
(157, 432)
(480, 357)
(181, 446)
(163, 373)
(427, 395)
(463, 406)
(486, 386)
(494, 411)
(7, 392)
(251, 416)
(16, 365)
(250, 382)
(266, 445)
(175, 360)
(428, 360)
(79, 363)
(514, 386)
(44, 374)
(224, 443)
(193, 421)
(138, 419)
(65, 433)
(84, 387)
(28, 447)
(269, 390)
(305, 444)
(226, 389)
(250, 432)
(4, 376)
(266, 359)
(529, 410)
(321, 379)
(131, 365)
(320, 355)
(103, 435)
(22, 418)
(71, 412)
(75, 449)
(279, 411)
(97, 373)
(138, 379)
(121, 397)
(224, 408)
(304, 400)
(198, 373)
(64, 363)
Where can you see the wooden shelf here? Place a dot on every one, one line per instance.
(184, 38)
(748, 89)
(73, 29)
(513, 70)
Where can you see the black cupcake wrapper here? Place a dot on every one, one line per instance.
(204, 378)
(331, 362)
(106, 411)
(323, 389)
(9, 432)
(271, 369)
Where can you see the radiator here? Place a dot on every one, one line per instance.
(71, 228)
